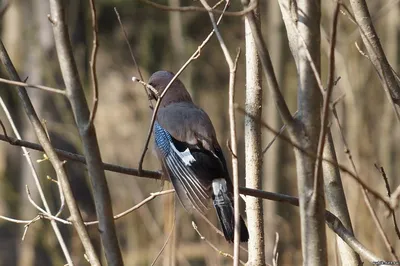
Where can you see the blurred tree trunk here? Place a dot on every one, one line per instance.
(12, 36)
(273, 158)
(39, 45)
(22, 48)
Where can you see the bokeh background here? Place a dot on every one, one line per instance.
(165, 40)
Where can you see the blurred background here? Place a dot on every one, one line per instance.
(165, 40)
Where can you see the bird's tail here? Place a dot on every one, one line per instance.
(224, 206)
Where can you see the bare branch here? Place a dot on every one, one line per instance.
(327, 99)
(130, 48)
(375, 50)
(168, 238)
(137, 206)
(200, 9)
(385, 179)
(93, 58)
(226, 255)
(40, 87)
(365, 191)
(275, 253)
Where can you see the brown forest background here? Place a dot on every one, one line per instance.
(165, 40)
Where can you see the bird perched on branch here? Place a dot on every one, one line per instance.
(190, 155)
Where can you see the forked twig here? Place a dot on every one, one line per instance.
(385, 179)
(227, 255)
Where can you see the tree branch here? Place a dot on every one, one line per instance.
(93, 63)
(199, 9)
(375, 50)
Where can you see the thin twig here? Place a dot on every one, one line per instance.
(226, 255)
(137, 206)
(168, 238)
(130, 48)
(385, 179)
(26, 227)
(57, 232)
(4, 131)
(275, 253)
(43, 212)
(146, 85)
(200, 9)
(93, 58)
(17, 221)
(277, 135)
(318, 178)
(395, 198)
(194, 56)
(27, 85)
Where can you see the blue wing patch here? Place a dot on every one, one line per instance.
(163, 139)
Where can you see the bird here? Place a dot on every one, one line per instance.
(190, 155)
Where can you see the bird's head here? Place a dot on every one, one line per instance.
(176, 93)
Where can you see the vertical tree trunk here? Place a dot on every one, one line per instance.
(253, 150)
(304, 36)
(17, 36)
(312, 217)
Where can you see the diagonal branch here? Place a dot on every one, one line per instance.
(268, 70)
(376, 54)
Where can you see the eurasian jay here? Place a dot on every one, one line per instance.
(190, 156)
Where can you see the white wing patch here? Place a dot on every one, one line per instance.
(219, 185)
(186, 156)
